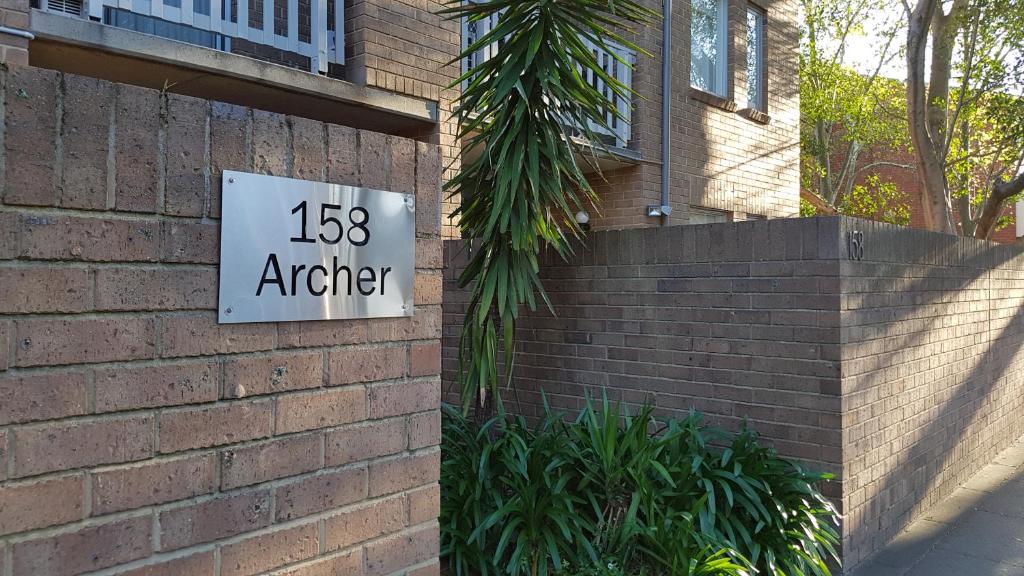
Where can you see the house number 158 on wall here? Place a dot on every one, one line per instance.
(855, 244)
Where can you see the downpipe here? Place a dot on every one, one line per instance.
(665, 209)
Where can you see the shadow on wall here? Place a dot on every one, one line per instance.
(946, 362)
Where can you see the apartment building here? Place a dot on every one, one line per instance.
(731, 119)
(728, 102)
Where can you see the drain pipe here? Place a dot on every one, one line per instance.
(17, 32)
(666, 113)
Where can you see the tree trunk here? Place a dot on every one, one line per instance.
(825, 188)
(1001, 191)
(967, 222)
(935, 199)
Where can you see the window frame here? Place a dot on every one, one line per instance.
(761, 104)
(706, 215)
(720, 77)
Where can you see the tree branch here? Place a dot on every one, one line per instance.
(1001, 190)
(867, 167)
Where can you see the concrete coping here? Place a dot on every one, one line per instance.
(81, 33)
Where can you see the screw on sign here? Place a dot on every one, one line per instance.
(855, 245)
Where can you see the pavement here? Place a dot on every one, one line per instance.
(977, 531)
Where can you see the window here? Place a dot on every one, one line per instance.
(755, 58)
(708, 54)
(704, 216)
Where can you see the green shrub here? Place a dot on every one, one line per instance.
(613, 493)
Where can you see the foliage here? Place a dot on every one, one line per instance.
(845, 111)
(965, 76)
(617, 493)
(876, 200)
(807, 209)
(520, 108)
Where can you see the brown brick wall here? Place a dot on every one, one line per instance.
(902, 373)
(933, 372)
(404, 46)
(14, 49)
(138, 436)
(739, 320)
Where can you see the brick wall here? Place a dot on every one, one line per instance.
(404, 46)
(933, 372)
(138, 436)
(900, 373)
(738, 320)
(908, 182)
(14, 49)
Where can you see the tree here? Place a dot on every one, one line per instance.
(520, 194)
(973, 132)
(843, 111)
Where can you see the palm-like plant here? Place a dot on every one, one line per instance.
(519, 108)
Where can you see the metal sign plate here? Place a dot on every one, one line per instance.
(299, 250)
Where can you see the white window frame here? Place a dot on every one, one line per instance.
(720, 86)
(761, 16)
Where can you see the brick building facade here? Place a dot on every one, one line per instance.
(908, 183)
(728, 161)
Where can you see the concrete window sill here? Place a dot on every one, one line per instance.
(92, 49)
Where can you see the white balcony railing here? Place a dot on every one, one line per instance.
(312, 29)
(618, 126)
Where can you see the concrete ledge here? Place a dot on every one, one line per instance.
(90, 48)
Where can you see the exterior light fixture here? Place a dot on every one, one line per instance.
(583, 219)
(653, 210)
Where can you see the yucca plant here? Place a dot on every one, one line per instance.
(520, 109)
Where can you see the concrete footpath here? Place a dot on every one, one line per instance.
(978, 531)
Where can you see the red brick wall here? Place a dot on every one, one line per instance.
(908, 182)
(138, 434)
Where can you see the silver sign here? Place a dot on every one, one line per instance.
(299, 250)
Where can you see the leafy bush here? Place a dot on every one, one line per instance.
(614, 493)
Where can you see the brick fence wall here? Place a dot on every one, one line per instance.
(899, 373)
(739, 321)
(933, 372)
(138, 436)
